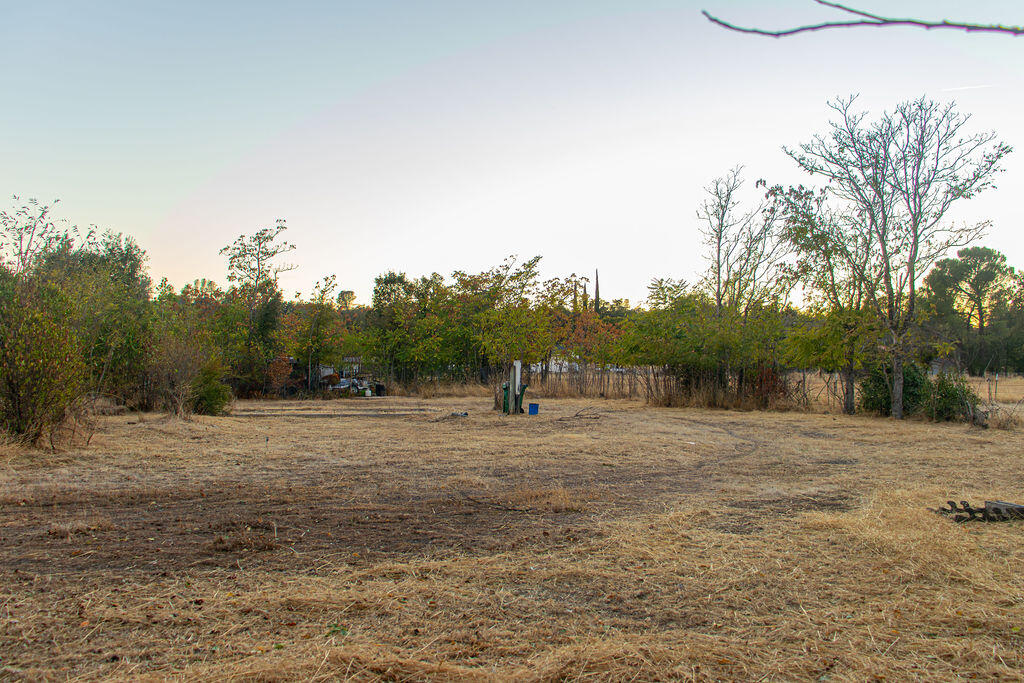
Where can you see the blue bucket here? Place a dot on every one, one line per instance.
(534, 408)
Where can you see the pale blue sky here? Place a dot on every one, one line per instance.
(425, 136)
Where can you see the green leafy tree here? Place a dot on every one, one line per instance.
(316, 331)
(969, 297)
(42, 376)
(180, 347)
(253, 305)
(108, 290)
(831, 263)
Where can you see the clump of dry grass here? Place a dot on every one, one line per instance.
(246, 538)
(553, 499)
(468, 482)
(245, 541)
(81, 525)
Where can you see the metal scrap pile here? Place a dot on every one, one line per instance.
(359, 387)
(994, 511)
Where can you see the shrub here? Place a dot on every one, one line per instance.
(949, 398)
(277, 374)
(210, 396)
(1001, 417)
(945, 398)
(876, 397)
(41, 369)
(175, 362)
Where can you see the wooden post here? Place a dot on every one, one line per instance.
(515, 385)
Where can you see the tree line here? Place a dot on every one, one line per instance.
(861, 274)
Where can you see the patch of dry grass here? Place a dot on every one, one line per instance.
(553, 499)
(1006, 389)
(363, 540)
(441, 389)
(81, 525)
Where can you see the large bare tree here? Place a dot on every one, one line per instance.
(897, 176)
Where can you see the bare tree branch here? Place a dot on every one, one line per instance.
(868, 19)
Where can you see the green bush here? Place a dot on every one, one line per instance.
(41, 369)
(945, 398)
(875, 396)
(210, 396)
(950, 399)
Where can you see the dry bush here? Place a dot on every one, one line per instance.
(452, 390)
(784, 399)
(1004, 417)
(244, 540)
(77, 426)
(590, 383)
(106, 405)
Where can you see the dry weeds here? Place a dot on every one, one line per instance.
(363, 540)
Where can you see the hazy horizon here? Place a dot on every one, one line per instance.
(421, 139)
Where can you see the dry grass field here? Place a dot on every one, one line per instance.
(601, 540)
(1007, 389)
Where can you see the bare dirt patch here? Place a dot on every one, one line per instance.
(376, 539)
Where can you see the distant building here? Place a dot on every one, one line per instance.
(942, 366)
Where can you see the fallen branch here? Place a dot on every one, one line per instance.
(581, 414)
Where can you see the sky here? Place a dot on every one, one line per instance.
(446, 135)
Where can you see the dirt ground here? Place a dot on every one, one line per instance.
(389, 538)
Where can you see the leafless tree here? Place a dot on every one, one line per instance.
(743, 247)
(867, 19)
(174, 363)
(898, 176)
